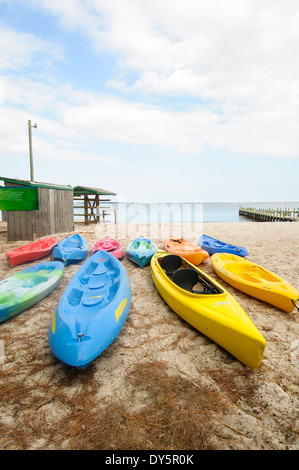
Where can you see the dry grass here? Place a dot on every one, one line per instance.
(175, 413)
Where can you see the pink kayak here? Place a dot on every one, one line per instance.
(109, 244)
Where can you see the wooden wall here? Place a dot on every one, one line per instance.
(55, 215)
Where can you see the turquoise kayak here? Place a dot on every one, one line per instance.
(72, 249)
(141, 250)
(91, 311)
(25, 288)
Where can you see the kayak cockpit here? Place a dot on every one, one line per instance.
(186, 276)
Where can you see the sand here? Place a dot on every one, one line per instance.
(160, 384)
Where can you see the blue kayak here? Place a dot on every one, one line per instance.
(212, 245)
(27, 287)
(91, 311)
(72, 249)
(141, 250)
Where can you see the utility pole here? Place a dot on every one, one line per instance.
(30, 150)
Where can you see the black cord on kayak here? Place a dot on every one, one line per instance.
(295, 305)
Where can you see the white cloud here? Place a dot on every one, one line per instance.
(205, 37)
(72, 14)
(238, 55)
(191, 47)
(63, 151)
(86, 118)
(18, 50)
(238, 59)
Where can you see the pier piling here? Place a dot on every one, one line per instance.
(270, 215)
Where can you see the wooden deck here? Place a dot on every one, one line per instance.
(270, 215)
(94, 205)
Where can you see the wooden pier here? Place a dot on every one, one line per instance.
(270, 215)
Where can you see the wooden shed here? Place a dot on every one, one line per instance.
(94, 204)
(55, 213)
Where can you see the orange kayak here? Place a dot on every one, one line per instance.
(192, 253)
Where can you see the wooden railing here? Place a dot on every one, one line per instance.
(270, 215)
(94, 210)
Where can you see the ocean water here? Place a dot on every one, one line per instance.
(129, 212)
(134, 212)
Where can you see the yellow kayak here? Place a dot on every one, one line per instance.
(207, 306)
(256, 281)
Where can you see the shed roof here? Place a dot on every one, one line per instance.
(86, 190)
(36, 184)
(77, 189)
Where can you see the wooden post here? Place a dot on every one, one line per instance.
(97, 203)
(30, 150)
(86, 209)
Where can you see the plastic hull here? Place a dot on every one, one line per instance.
(91, 311)
(186, 250)
(31, 252)
(255, 281)
(140, 251)
(212, 245)
(110, 245)
(218, 316)
(72, 249)
(25, 288)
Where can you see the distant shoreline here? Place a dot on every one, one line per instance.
(184, 212)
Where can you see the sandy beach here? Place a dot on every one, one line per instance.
(161, 384)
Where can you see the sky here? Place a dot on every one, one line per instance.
(155, 100)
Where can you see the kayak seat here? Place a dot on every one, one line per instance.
(100, 270)
(171, 263)
(74, 296)
(91, 300)
(99, 282)
(185, 278)
(250, 277)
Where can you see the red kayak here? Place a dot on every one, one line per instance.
(109, 244)
(31, 252)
